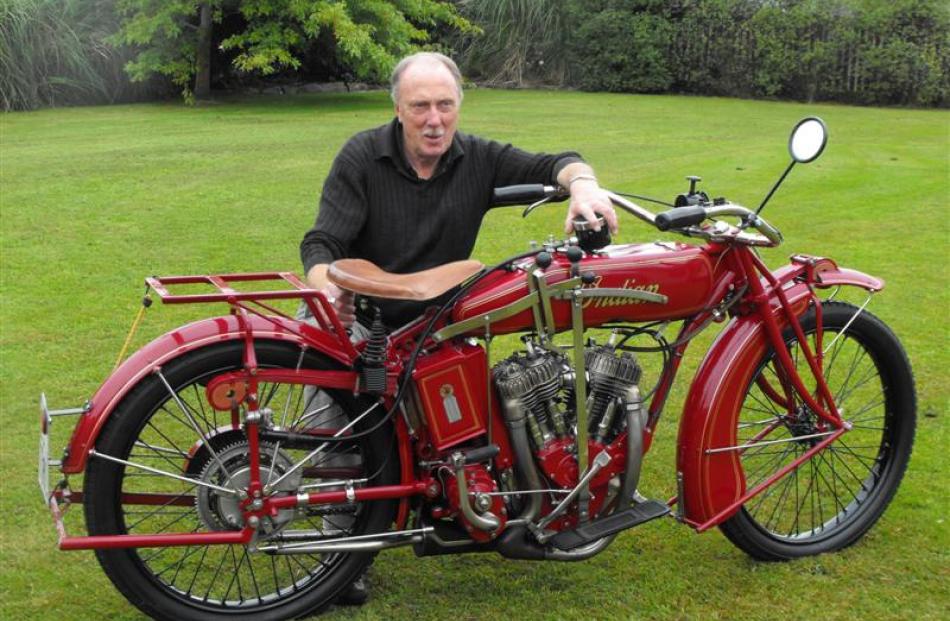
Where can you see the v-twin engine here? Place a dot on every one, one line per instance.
(537, 392)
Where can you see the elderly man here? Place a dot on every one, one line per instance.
(411, 194)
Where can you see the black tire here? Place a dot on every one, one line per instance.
(831, 500)
(226, 581)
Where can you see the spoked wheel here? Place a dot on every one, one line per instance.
(829, 501)
(166, 425)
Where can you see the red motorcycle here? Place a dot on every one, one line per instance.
(251, 465)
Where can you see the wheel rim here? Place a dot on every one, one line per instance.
(825, 494)
(228, 578)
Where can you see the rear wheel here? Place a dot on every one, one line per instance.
(829, 501)
(171, 428)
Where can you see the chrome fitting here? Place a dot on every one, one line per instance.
(485, 520)
(482, 502)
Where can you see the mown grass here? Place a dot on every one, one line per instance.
(94, 199)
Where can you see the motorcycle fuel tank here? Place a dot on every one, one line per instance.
(681, 272)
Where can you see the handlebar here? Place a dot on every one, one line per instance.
(526, 193)
(680, 217)
(685, 220)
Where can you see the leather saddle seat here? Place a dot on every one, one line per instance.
(366, 278)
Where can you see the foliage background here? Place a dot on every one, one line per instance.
(857, 51)
(57, 52)
(871, 52)
(94, 199)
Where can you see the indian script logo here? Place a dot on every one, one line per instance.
(629, 283)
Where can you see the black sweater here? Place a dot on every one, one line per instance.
(375, 207)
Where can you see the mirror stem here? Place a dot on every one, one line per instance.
(775, 187)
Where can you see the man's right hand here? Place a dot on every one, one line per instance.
(343, 301)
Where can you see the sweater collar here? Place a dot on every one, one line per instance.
(389, 144)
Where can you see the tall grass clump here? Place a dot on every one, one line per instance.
(55, 52)
(520, 43)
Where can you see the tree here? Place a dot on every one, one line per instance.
(175, 36)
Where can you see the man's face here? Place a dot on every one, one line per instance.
(428, 108)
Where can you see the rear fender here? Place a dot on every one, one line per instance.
(710, 483)
(172, 345)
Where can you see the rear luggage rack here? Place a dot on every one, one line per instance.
(226, 292)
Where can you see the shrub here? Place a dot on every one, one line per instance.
(712, 49)
(617, 50)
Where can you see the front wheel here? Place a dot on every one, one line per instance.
(166, 425)
(831, 500)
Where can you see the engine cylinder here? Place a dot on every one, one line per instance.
(610, 377)
(532, 383)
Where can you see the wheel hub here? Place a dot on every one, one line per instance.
(232, 469)
(803, 424)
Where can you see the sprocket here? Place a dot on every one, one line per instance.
(232, 469)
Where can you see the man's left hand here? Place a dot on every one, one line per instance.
(588, 199)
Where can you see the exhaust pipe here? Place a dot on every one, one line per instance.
(517, 423)
(358, 543)
(636, 421)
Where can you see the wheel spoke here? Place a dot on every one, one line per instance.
(781, 501)
(822, 496)
(214, 578)
(830, 461)
(235, 575)
(869, 375)
(250, 567)
(201, 561)
(766, 468)
(201, 412)
(763, 496)
(163, 465)
(860, 459)
(161, 509)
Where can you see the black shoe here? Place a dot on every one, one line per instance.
(355, 594)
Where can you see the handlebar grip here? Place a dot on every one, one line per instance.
(680, 217)
(521, 194)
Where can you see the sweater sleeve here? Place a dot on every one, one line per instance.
(341, 215)
(513, 166)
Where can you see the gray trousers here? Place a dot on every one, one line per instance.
(321, 410)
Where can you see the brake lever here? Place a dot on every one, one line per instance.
(532, 206)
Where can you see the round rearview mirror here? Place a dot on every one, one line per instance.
(808, 139)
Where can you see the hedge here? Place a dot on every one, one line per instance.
(855, 51)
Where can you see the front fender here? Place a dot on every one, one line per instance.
(173, 344)
(710, 483)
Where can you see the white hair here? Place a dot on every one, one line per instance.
(430, 57)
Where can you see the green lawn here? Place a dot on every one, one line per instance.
(94, 199)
